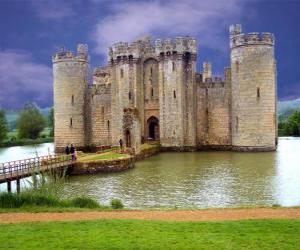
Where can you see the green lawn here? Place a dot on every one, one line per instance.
(135, 234)
(103, 156)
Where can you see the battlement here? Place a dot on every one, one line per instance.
(179, 45)
(238, 39)
(67, 55)
(141, 47)
(124, 50)
(100, 71)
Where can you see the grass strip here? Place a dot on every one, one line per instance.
(136, 234)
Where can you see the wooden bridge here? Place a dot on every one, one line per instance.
(16, 170)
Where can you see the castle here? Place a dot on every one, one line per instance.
(153, 93)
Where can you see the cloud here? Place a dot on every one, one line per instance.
(52, 9)
(207, 20)
(289, 91)
(22, 79)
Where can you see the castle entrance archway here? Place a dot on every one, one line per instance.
(153, 128)
(128, 139)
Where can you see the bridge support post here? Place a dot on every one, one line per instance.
(18, 186)
(9, 186)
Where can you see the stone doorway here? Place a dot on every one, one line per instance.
(153, 129)
(128, 139)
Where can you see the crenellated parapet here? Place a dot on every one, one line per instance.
(134, 50)
(237, 38)
(122, 51)
(66, 55)
(101, 76)
(179, 45)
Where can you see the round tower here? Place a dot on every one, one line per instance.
(70, 75)
(253, 78)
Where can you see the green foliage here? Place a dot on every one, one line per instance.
(31, 122)
(141, 234)
(13, 200)
(116, 204)
(290, 126)
(33, 199)
(84, 202)
(3, 126)
(51, 122)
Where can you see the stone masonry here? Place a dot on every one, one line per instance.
(152, 92)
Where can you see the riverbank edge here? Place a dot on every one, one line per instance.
(111, 166)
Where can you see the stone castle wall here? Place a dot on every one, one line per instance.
(159, 83)
(213, 114)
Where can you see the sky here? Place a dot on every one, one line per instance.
(31, 31)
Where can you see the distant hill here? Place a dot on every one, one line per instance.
(286, 108)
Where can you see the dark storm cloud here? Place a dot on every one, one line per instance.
(23, 79)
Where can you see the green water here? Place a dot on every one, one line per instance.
(200, 180)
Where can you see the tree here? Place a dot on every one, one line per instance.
(290, 126)
(51, 122)
(31, 122)
(3, 125)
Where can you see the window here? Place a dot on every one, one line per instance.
(102, 110)
(72, 100)
(129, 95)
(152, 92)
(173, 66)
(71, 122)
(236, 123)
(207, 120)
(151, 72)
(108, 125)
(258, 92)
(174, 94)
(237, 66)
(121, 73)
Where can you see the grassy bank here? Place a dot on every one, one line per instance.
(28, 199)
(134, 234)
(34, 202)
(111, 155)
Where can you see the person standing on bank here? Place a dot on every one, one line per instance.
(121, 143)
(67, 150)
(73, 151)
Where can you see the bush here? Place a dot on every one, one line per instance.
(116, 204)
(13, 200)
(84, 202)
(9, 200)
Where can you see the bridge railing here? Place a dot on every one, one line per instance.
(19, 168)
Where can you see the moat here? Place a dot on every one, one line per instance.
(192, 180)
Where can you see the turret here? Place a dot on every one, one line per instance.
(253, 79)
(207, 71)
(70, 76)
(177, 98)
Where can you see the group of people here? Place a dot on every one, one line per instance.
(71, 150)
